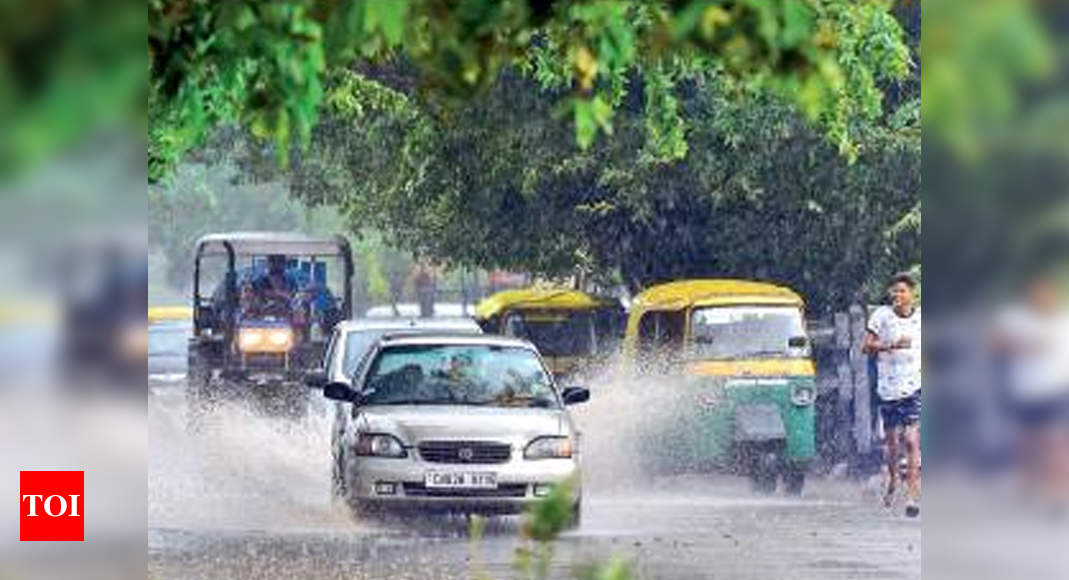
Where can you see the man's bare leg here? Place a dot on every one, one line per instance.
(891, 440)
(913, 468)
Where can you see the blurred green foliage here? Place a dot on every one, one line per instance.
(550, 516)
(264, 64)
(981, 55)
(67, 69)
(543, 524)
(996, 169)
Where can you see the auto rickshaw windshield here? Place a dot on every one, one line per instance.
(558, 334)
(734, 332)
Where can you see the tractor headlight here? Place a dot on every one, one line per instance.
(265, 339)
(250, 338)
(280, 338)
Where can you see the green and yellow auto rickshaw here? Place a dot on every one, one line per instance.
(572, 329)
(736, 354)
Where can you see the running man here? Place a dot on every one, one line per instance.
(894, 336)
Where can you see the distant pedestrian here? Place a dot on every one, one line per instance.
(894, 337)
(1033, 340)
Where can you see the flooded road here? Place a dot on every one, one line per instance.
(250, 498)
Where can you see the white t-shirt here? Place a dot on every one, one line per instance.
(1038, 367)
(898, 370)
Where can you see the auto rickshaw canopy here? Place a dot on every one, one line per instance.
(683, 294)
(536, 299)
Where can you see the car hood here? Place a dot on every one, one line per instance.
(416, 423)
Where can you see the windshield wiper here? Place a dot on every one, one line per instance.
(417, 402)
(540, 402)
(753, 353)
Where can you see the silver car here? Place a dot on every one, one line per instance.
(453, 422)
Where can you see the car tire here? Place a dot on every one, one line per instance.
(577, 515)
(362, 511)
(337, 478)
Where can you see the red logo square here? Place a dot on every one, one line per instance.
(52, 506)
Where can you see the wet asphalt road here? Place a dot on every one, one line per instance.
(249, 498)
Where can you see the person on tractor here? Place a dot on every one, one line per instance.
(276, 287)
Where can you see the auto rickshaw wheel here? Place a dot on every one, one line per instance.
(794, 480)
(764, 482)
(763, 465)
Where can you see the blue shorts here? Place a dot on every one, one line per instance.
(901, 413)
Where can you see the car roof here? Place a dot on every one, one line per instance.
(452, 324)
(454, 339)
(273, 243)
(412, 310)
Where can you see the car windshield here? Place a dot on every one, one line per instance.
(555, 334)
(747, 331)
(357, 343)
(459, 375)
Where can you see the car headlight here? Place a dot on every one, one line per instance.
(553, 447)
(802, 395)
(265, 339)
(379, 445)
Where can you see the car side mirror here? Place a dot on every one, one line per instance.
(316, 378)
(341, 392)
(797, 342)
(575, 395)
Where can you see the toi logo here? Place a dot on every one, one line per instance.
(51, 506)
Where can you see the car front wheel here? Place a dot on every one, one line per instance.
(337, 477)
(577, 515)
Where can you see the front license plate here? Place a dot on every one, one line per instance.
(461, 480)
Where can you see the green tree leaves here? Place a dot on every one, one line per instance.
(498, 183)
(263, 64)
(590, 117)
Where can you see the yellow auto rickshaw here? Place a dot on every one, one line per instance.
(735, 357)
(571, 329)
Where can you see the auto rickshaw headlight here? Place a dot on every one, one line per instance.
(802, 395)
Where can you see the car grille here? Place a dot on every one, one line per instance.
(483, 452)
(504, 490)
